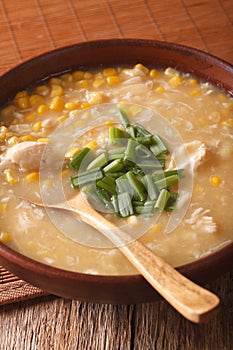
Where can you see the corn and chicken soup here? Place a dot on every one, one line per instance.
(201, 113)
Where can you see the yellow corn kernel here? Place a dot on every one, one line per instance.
(30, 117)
(156, 228)
(109, 123)
(7, 111)
(42, 90)
(107, 72)
(32, 177)
(195, 92)
(13, 140)
(3, 208)
(62, 118)
(175, 81)
(151, 234)
(97, 83)
(91, 145)
(37, 126)
(113, 80)
(22, 102)
(70, 106)
(198, 188)
(65, 172)
(5, 237)
(67, 77)
(193, 81)
(41, 109)
(3, 132)
(43, 139)
(56, 90)
(27, 138)
(82, 84)
(10, 176)
(215, 180)
(35, 100)
(160, 89)
(3, 129)
(56, 104)
(78, 75)
(71, 152)
(142, 69)
(84, 105)
(134, 110)
(95, 98)
(48, 182)
(171, 72)
(55, 81)
(228, 122)
(21, 94)
(154, 73)
(87, 75)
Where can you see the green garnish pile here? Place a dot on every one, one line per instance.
(129, 178)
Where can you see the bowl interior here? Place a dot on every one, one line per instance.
(114, 289)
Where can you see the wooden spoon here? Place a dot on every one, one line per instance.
(192, 301)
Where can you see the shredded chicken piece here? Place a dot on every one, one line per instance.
(27, 155)
(196, 150)
(201, 222)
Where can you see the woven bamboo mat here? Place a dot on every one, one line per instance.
(29, 28)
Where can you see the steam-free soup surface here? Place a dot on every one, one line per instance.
(203, 116)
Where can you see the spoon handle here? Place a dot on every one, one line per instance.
(192, 301)
(189, 299)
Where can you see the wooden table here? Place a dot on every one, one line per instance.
(28, 28)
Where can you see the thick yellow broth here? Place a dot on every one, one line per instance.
(199, 112)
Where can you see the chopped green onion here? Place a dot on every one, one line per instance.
(144, 140)
(167, 181)
(115, 135)
(142, 151)
(171, 203)
(93, 196)
(150, 186)
(123, 118)
(123, 185)
(139, 189)
(86, 177)
(162, 200)
(162, 175)
(114, 166)
(77, 160)
(108, 183)
(144, 210)
(141, 131)
(116, 153)
(130, 151)
(128, 179)
(98, 162)
(105, 197)
(159, 146)
(131, 131)
(125, 205)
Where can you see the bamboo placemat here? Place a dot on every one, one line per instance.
(29, 28)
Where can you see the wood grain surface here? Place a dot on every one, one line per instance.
(29, 28)
(51, 323)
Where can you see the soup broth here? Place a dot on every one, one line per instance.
(199, 111)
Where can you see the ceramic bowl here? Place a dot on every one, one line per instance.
(113, 289)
